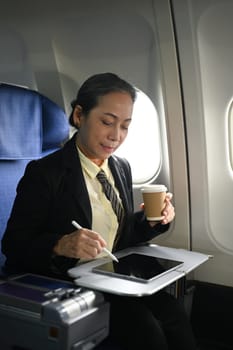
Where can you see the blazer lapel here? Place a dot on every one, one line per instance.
(76, 182)
(120, 181)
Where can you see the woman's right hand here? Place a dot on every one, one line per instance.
(80, 244)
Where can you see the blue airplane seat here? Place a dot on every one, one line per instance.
(31, 126)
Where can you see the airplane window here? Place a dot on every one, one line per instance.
(231, 134)
(142, 146)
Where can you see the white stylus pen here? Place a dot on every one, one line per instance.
(75, 224)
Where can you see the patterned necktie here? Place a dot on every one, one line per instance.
(111, 195)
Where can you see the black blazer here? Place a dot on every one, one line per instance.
(50, 195)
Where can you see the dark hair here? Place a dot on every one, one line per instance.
(99, 85)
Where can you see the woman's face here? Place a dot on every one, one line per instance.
(105, 127)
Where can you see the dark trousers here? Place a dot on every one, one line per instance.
(157, 322)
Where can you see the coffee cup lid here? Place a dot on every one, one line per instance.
(154, 188)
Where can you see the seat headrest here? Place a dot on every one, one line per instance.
(29, 123)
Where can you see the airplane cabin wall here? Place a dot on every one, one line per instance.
(54, 46)
(204, 37)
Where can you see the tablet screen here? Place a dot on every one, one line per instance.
(138, 267)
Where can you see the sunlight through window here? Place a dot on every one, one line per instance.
(142, 146)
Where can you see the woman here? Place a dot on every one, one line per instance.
(64, 186)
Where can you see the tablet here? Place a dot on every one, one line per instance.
(138, 267)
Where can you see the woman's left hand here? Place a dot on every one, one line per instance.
(168, 211)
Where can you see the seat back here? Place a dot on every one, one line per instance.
(31, 126)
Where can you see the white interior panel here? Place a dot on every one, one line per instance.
(216, 57)
(204, 34)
